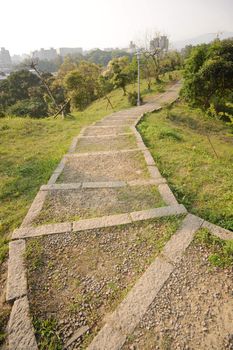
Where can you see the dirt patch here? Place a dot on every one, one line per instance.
(95, 131)
(192, 311)
(79, 279)
(106, 144)
(107, 167)
(61, 206)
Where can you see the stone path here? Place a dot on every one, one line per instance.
(108, 178)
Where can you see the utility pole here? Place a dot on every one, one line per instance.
(138, 59)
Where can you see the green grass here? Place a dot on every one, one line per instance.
(30, 150)
(177, 139)
(221, 251)
(46, 334)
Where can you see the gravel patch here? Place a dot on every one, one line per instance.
(193, 311)
(107, 167)
(62, 206)
(106, 144)
(79, 279)
(93, 131)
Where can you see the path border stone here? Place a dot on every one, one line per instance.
(20, 329)
(17, 277)
(128, 314)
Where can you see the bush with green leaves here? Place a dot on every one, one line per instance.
(30, 107)
(208, 76)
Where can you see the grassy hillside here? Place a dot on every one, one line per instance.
(30, 149)
(180, 141)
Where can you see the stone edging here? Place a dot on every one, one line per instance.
(128, 314)
(104, 221)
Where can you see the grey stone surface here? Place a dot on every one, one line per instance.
(104, 221)
(60, 166)
(177, 245)
(103, 184)
(158, 212)
(148, 158)
(17, 278)
(141, 145)
(73, 145)
(105, 136)
(167, 194)
(42, 230)
(53, 178)
(218, 231)
(20, 330)
(61, 186)
(35, 208)
(154, 171)
(81, 331)
(128, 314)
(77, 155)
(146, 182)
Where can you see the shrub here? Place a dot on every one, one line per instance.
(133, 98)
(33, 108)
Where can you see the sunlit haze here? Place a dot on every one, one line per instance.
(27, 25)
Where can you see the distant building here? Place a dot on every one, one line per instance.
(161, 43)
(43, 54)
(5, 58)
(65, 51)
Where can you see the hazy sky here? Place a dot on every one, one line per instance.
(26, 25)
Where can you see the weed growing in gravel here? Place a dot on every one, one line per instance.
(221, 250)
(46, 334)
(33, 254)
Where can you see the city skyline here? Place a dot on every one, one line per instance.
(106, 23)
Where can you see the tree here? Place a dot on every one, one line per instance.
(81, 84)
(119, 73)
(209, 75)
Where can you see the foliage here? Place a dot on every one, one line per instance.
(17, 87)
(46, 334)
(208, 75)
(185, 157)
(118, 72)
(221, 250)
(82, 84)
(30, 107)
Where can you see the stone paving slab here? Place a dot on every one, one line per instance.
(128, 314)
(42, 230)
(20, 329)
(87, 154)
(104, 136)
(158, 212)
(154, 172)
(167, 194)
(218, 231)
(148, 158)
(104, 221)
(177, 245)
(109, 184)
(35, 208)
(17, 279)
